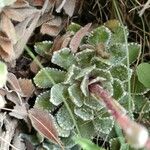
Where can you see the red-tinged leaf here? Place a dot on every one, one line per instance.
(75, 42)
(42, 121)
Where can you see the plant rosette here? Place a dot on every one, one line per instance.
(103, 61)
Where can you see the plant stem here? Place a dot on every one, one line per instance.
(132, 130)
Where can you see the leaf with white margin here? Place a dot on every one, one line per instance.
(43, 48)
(84, 113)
(118, 90)
(73, 71)
(93, 103)
(63, 58)
(84, 57)
(76, 95)
(45, 76)
(117, 53)
(104, 125)
(100, 63)
(84, 85)
(99, 35)
(58, 93)
(119, 32)
(142, 104)
(42, 101)
(61, 132)
(63, 119)
(121, 72)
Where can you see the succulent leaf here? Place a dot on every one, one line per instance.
(44, 76)
(43, 48)
(103, 125)
(63, 58)
(76, 95)
(121, 72)
(58, 93)
(100, 35)
(42, 101)
(118, 91)
(64, 120)
(84, 113)
(84, 57)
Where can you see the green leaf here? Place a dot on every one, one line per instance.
(117, 53)
(84, 85)
(142, 104)
(117, 31)
(105, 74)
(58, 93)
(115, 143)
(3, 74)
(137, 87)
(121, 72)
(85, 71)
(45, 76)
(86, 128)
(103, 125)
(134, 51)
(43, 48)
(118, 90)
(61, 132)
(73, 71)
(143, 73)
(100, 35)
(73, 27)
(84, 113)
(42, 101)
(86, 144)
(64, 120)
(76, 95)
(93, 103)
(84, 57)
(63, 58)
(100, 63)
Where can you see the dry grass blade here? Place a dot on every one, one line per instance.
(75, 42)
(42, 121)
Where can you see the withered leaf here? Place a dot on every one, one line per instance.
(69, 7)
(13, 83)
(27, 87)
(75, 41)
(42, 121)
(20, 111)
(6, 47)
(52, 27)
(8, 28)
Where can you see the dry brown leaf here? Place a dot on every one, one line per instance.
(52, 27)
(75, 41)
(8, 28)
(42, 121)
(27, 87)
(69, 7)
(6, 47)
(19, 14)
(19, 47)
(14, 83)
(61, 42)
(20, 111)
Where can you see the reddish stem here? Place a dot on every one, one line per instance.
(113, 107)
